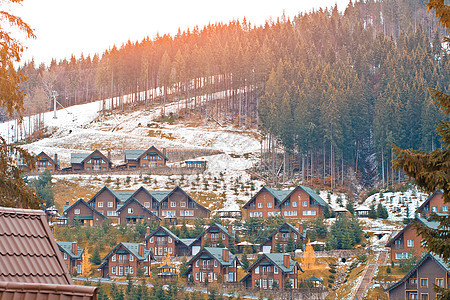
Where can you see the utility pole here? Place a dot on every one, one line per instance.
(54, 95)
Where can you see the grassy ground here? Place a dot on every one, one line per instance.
(396, 273)
(72, 190)
(376, 294)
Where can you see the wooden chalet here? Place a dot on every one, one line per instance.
(213, 265)
(142, 159)
(72, 254)
(45, 162)
(125, 259)
(214, 236)
(272, 270)
(91, 162)
(408, 240)
(32, 266)
(281, 237)
(362, 211)
(418, 283)
(83, 213)
(301, 202)
(198, 163)
(132, 212)
(162, 241)
(107, 202)
(434, 204)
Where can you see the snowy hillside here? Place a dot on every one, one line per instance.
(81, 128)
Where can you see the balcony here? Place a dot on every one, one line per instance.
(122, 262)
(398, 246)
(161, 243)
(266, 274)
(206, 268)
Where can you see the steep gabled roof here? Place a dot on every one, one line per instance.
(48, 157)
(177, 188)
(214, 253)
(78, 158)
(291, 227)
(159, 195)
(421, 207)
(223, 229)
(429, 223)
(121, 196)
(81, 201)
(132, 248)
(67, 248)
(310, 193)
(445, 266)
(278, 260)
(131, 200)
(137, 154)
(170, 233)
(279, 195)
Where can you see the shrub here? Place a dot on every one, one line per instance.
(388, 270)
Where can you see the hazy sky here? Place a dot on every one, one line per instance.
(67, 27)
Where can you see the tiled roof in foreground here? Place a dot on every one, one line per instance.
(30, 259)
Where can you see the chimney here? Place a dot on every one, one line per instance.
(300, 228)
(286, 260)
(148, 232)
(109, 155)
(141, 249)
(225, 254)
(75, 248)
(67, 202)
(230, 229)
(165, 152)
(56, 160)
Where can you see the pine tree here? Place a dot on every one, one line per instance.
(430, 170)
(245, 262)
(372, 212)
(96, 260)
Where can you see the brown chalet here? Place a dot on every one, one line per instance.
(301, 202)
(162, 241)
(407, 241)
(214, 236)
(141, 159)
(272, 270)
(107, 201)
(32, 266)
(434, 204)
(94, 161)
(280, 239)
(132, 212)
(125, 259)
(213, 265)
(174, 204)
(419, 282)
(83, 213)
(73, 255)
(45, 162)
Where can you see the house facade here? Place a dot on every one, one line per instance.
(107, 201)
(434, 204)
(162, 241)
(132, 212)
(419, 282)
(72, 254)
(142, 159)
(408, 241)
(45, 162)
(272, 270)
(213, 265)
(82, 213)
(282, 237)
(214, 236)
(92, 162)
(301, 202)
(125, 259)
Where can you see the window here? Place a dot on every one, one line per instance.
(173, 204)
(183, 204)
(424, 282)
(230, 276)
(410, 243)
(88, 169)
(401, 255)
(196, 276)
(289, 213)
(440, 282)
(130, 210)
(305, 203)
(186, 213)
(112, 213)
(424, 297)
(131, 270)
(113, 258)
(444, 208)
(434, 208)
(146, 204)
(264, 282)
(113, 270)
(275, 269)
(169, 239)
(256, 214)
(257, 270)
(127, 270)
(79, 269)
(223, 236)
(273, 213)
(145, 270)
(260, 205)
(151, 240)
(65, 256)
(131, 257)
(309, 212)
(411, 295)
(120, 270)
(215, 263)
(168, 213)
(77, 211)
(294, 203)
(170, 250)
(100, 204)
(110, 204)
(196, 263)
(269, 205)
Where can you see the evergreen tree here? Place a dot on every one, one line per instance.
(429, 170)
(372, 212)
(350, 207)
(326, 212)
(96, 260)
(245, 262)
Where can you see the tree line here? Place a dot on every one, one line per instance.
(331, 91)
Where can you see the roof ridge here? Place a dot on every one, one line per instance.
(23, 235)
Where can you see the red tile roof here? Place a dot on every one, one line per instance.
(29, 256)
